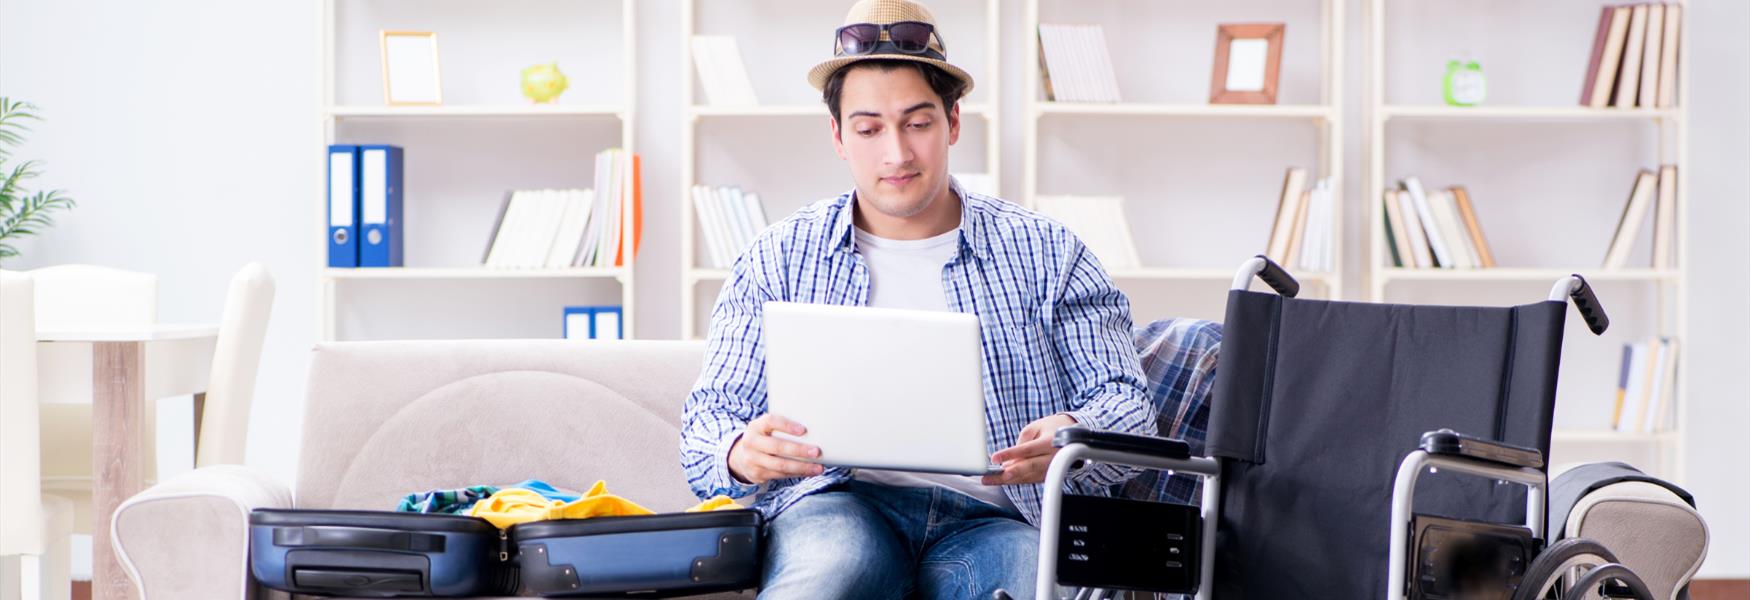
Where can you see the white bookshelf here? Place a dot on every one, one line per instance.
(453, 190)
(1163, 72)
(1551, 232)
(791, 113)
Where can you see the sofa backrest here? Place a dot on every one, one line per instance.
(386, 419)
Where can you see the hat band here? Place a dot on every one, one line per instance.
(888, 47)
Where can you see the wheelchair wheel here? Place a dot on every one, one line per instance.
(1570, 557)
(1587, 586)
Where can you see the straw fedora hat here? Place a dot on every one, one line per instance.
(883, 12)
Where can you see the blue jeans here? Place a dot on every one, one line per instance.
(866, 540)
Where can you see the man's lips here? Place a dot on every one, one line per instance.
(899, 180)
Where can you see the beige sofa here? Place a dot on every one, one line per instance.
(384, 419)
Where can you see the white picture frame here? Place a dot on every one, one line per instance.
(411, 76)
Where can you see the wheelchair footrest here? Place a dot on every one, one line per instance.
(1115, 543)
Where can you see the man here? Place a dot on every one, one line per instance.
(1058, 350)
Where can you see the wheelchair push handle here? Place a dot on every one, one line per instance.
(1575, 287)
(1274, 275)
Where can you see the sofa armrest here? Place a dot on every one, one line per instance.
(188, 536)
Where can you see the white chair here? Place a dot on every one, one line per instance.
(236, 359)
(35, 530)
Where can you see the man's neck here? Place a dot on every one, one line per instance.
(942, 216)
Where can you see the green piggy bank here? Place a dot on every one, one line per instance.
(543, 83)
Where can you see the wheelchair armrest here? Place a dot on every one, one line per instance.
(1451, 443)
(1122, 442)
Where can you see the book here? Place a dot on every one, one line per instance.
(1629, 226)
(571, 228)
(1604, 81)
(1664, 410)
(1485, 257)
(1099, 222)
(1396, 234)
(1423, 253)
(1446, 218)
(730, 219)
(1443, 257)
(1633, 387)
(1628, 354)
(1077, 66)
(1665, 219)
(1668, 56)
(1316, 244)
(1287, 211)
(1628, 80)
(1600, 39)
(1648, 420)
(1648, 96)
(1297, 237)
(1644, 391)
(722, 74)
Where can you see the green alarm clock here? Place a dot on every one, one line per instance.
(1464, 83)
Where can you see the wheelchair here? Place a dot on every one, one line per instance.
(1353, 450)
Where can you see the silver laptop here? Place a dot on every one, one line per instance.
(880, 388)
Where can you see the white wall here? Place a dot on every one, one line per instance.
(186, 131)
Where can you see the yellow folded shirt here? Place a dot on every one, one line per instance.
(516, 505)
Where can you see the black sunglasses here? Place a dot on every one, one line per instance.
(909, 37)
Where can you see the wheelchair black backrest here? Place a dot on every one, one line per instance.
(1315, 403)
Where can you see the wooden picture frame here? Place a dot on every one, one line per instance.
(1248, 63)
(411, 75)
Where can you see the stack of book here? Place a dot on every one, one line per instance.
(1646, 387)
(730, 220)
(1434, 229)
(1074, 64)
(572, 227)
(717, 59)
(1634, 57)
(1100, 224)
(1650, 188)
(1302, 237)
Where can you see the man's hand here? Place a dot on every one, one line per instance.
(1027, 460)
(757, 457)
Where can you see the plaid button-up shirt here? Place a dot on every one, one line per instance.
(1056, 338)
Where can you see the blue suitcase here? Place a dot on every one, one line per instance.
(379, 554)
(646, 556)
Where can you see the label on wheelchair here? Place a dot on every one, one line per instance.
(1455, 558)
(1115, 543)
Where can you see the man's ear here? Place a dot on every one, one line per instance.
(954, 123)
(838, 140)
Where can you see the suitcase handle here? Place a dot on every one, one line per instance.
(357, 537)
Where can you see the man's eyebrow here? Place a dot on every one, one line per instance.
(915, 107)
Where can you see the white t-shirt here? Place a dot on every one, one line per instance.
(908, 274)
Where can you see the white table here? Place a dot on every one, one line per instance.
(118, 369)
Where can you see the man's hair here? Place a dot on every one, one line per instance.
(948, 87)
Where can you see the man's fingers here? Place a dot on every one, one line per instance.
(782, 467)
(776, 422)
(1031, 470)
(1038, 447)
(783, 448)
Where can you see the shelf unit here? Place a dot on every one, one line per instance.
(1667, 285)
(694, 276)
(337, 114)
(1326, 116)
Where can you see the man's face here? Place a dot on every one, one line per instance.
(894, 133)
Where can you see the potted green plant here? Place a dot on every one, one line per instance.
(22, 212)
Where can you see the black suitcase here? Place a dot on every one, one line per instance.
(647, 556)
(379, 554)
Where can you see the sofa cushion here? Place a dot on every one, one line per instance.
(385, 419)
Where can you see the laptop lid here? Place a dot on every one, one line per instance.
(880, 388)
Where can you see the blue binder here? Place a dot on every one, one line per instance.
(380, 224)
(594, 323)
(343, 202)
